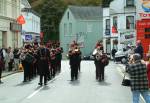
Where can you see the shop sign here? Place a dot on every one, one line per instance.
(143, 24)
(126, 37)
(21, 20)
(28, 37)
(143, 9)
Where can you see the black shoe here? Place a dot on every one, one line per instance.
(24, 81)
(45, 83)
(40, 84)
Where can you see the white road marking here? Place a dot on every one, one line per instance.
(9, 76)
(30, 96)
(35, 92)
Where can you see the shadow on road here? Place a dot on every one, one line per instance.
(75, 83)
(103, 83)
(23, 83)
(45, 88)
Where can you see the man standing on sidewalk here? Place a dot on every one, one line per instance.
(139, 81)
(1, 64)
(1, 67)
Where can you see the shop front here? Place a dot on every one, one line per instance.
(143, 34)
(143, 24)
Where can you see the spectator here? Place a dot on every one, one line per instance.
(113, 51)
(139, 48)
(139, 81)
(148, 71)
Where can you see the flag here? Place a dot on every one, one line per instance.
(21, 20)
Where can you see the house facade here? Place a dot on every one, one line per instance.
(119, 25)
(83, 25)
(143, 24)
(31, 29)
(10, 30)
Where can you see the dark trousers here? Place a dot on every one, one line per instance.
(99, 71)
(45, 79)
(74, 72)
(10, 64)
(27, 75)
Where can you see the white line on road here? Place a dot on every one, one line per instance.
(35, 92)
(30, 96)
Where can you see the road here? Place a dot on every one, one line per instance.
(62, 90)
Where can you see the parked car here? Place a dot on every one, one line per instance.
(120, 55)
(88, 57)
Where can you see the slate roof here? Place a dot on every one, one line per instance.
(87, 12)
(26, 3)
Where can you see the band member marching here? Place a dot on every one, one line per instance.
(43, 63)
(101, 61)
(74, 54)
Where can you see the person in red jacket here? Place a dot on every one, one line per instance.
(148, 71)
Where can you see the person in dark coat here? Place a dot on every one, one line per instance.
(113, 53)
(27, 64)
(139, 48)
(43, 63)
(139, 80)
(1, 68)
(1, 63)
(74, 63)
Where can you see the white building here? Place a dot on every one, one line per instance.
(31, 29)
(9, 28)
(121, 17)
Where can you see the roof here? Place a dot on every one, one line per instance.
(26, 3)
(31, 11)
(87, 12)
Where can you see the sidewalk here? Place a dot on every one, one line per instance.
(6, 73)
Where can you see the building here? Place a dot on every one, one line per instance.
(106, 30)
(10, 30)
(119, 24)
(31, 29)
(143, 24)
(81, 24)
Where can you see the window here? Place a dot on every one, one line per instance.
(147, 29)
(89, 27)
(70, 28)
(115, 21)
(130, 22)
(107, 24)
(147, 36)
(107, 29)
(68, 15)
(129, 2)
(3, 7)
(14, 8)
(65, 29)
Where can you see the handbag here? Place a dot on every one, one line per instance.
(125, 81)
